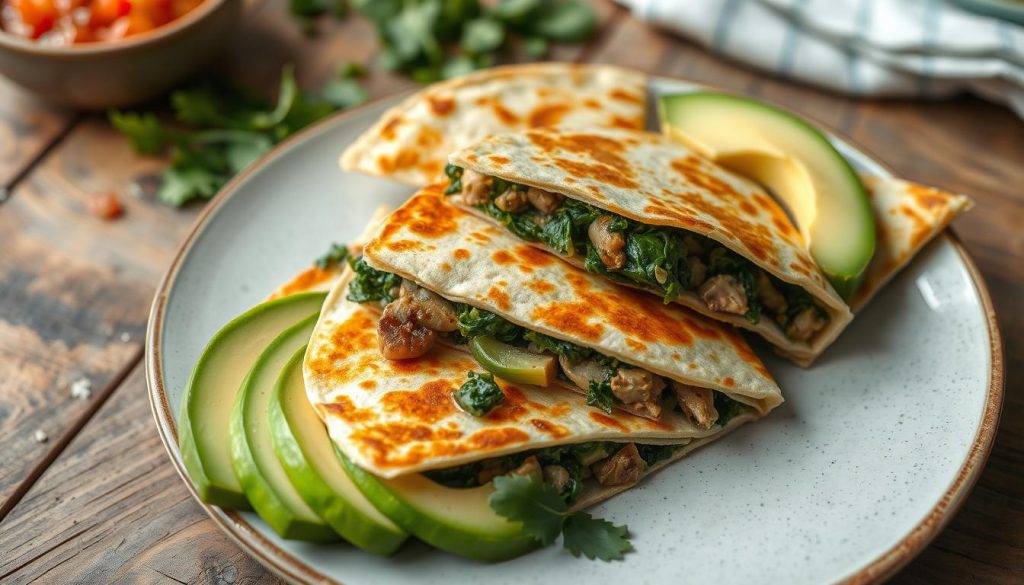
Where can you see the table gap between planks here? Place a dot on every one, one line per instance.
(99, 502)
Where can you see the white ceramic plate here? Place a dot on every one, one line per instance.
(873, 451)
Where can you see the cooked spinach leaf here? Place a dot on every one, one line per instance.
(728, 408)
(370, 284)
(571, 351)
(479, 395)
(652, 454)
(600, 393)
(475, 322)
(454, 174)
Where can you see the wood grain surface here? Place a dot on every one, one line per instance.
(99, 502)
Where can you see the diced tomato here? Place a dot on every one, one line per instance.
(83, 21)
(106, 205)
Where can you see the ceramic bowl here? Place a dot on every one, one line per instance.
(121, 73)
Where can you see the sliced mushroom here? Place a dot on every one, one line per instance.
(476, 188)
(724, 293)
(544, 201)
(698, 272)
(771, 298)
(530, 466)
(697, 403)
(806, 324)
(556, 476)
(428, 308)
(611, 246)
(402, 338)
(583, 372)
(638, 389)
(511, 201)
(622, 468)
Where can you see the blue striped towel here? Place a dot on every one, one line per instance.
(916, 48)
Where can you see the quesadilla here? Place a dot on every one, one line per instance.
(410, 143)
(640, 210)
(907, 216)
(439, 275)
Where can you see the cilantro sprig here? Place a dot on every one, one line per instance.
(544, 515)
(221, 130)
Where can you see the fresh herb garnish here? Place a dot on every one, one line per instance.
(370, 284)
(228, 130)
(544, 514)
(334, 256)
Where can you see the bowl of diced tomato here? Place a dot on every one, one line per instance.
(95, 54)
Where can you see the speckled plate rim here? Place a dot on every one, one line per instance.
(294, 570)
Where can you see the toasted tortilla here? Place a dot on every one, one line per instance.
(907, 216)
(410, 143)
(393, 417)
(650, 179)
(465, 259)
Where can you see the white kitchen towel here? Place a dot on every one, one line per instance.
(916, 48)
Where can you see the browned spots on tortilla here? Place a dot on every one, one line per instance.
(764, 201)
(384, 441)
(503, 257)
(306, 280)
(441, 106)
(592, 103)
(748, 208)
(540, 286)
(428, 404)
(351, 337)
(596, 171)
(480, 237)
(547, 115)
(428, 137)
(928, 197)
(461, 254)
(344, 409)
(446, 267)
(403, 245)
(626, 96)
(728, 382)
(570, 180)
(586, 156)
(635, 345)
(503, 114)
(680, 215)
(501, 160)
(494, 438)
(500, 298)
(533, 257)
(368, 384)
(549, 428)
(605, 420)
(403, 160)
(626, 123)
(423, 215)
(387, 132)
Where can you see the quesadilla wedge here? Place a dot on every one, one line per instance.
(643, 211)
(410, 143)
(907, 216)
(440, 275)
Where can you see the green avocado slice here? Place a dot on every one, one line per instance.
(213, 385)
(457, 520)
(513, 363)
(305, 450)
(261, 475)
(794, 160)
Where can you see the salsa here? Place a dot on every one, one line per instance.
(67, 22)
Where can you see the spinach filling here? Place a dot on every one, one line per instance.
(657, 258)
(480, 393)
(575, 459)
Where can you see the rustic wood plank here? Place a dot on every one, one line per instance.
(27, 128)
(112, 509)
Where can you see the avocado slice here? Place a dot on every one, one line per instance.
(792, 159)
(211, 389)
(512, 363)
(304, 448)
(458, 520)
(261, 475)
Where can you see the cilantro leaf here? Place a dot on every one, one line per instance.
(143, 130)
(595, 538)
(527, 499)
(344, 93)
(337, 254)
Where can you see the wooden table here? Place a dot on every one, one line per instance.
(99, 501)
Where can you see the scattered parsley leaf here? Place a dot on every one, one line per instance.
(595, 538)
(482, 35)
(527, 499)
(142, 129)
(544, 514)
(344, 93)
